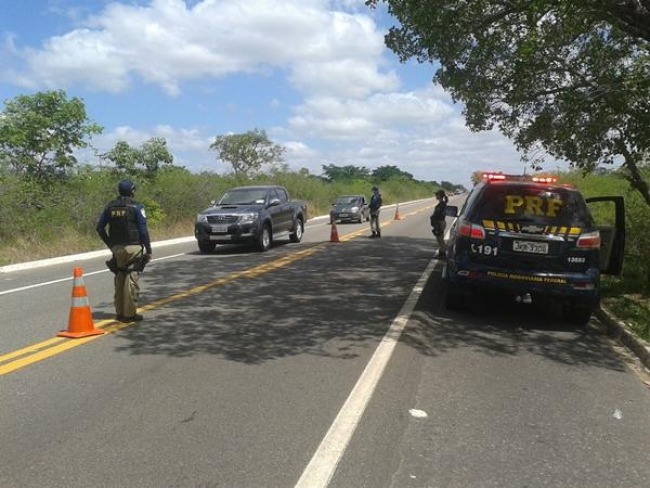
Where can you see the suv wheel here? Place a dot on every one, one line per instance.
(206, 247)
(296, 235)
(578, 312)
(454, 299)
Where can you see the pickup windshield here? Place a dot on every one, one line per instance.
(244, 197)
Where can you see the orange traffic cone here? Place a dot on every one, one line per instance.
(397, 217)
(80, 322)
(334, 235)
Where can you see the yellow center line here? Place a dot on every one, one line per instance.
(34, 348)
(43, 350)
(26, 356)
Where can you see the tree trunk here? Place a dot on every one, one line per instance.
(636, 179)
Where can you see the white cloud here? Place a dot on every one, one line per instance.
(353, 118)
(331, 52)
(420, 131)
(166, 43)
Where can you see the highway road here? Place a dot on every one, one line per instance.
(311, 365)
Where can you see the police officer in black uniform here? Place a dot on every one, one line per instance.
(437, 220)
(375, 205)
(128, 240)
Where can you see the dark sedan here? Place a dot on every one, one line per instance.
(350, 208)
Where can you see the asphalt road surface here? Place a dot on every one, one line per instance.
(314, 364)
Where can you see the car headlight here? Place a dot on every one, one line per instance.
(354, 209)
(248, 218)
(201, 218)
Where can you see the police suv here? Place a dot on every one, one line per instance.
(533, 238)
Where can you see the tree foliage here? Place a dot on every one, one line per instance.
(562, 78)
(123, 156)
(388, 172)
(152, 156)
(40, 133)
(331, 172)
(247, 152)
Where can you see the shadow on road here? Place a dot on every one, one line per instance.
(498, 326)
(337, 303)
(332, 303)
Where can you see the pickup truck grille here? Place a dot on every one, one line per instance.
(222, 219)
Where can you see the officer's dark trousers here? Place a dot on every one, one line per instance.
(127, 289)
(374, 221)
(440, 236)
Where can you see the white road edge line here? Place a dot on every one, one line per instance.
(60, 280)
(105, 252)
(323, 464)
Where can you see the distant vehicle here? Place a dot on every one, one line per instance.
(350, 208)
(251, 214)
(532, 238)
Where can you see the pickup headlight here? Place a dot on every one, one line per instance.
(201, 218)
(248, 218)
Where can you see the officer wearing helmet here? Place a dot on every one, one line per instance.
(438, 223)
(128, 239)
(374, 206)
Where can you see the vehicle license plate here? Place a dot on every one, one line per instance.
(343, 215)
(221, 229)
(530, 247)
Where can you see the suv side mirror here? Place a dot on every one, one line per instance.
(451, 211)
(274, 201)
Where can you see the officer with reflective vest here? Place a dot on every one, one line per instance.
(128, 239)
(375, 205)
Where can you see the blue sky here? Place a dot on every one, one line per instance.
(314, 74)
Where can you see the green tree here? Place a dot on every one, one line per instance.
(385, 173)
(447, 185)
(123, 156)
(39, 133)
(345, 173)
(155, 155)
(562, 78)
(247, 152)
(152, 156)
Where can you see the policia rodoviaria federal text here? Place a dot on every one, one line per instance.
(128, 239)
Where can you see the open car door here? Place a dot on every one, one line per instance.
(609, 214)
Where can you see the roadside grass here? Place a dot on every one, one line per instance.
(58, 217)
(22, 249)
(634, 311)
(628, 298)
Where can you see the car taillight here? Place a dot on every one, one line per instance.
(473, 231)
(589, 240)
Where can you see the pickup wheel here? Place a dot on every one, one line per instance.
(206, 247)
(264, 239)
(298, 229)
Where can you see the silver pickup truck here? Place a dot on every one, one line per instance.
(257, 215)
